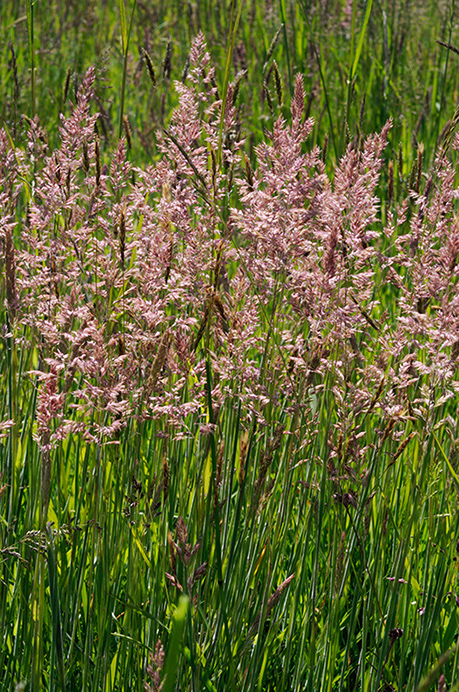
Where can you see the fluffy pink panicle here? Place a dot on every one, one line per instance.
(275, 276)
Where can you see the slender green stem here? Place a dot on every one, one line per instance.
(125, 39)
(30, 31)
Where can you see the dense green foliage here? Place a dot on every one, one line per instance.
(305, 539)
(388, 58)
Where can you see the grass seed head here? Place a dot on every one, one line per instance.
(390, 182)
(267, 95)
(167, 62)
(272, 47)
(278, 84)
(97, 154)
(150, 68)
(127, 132)
(67, 84)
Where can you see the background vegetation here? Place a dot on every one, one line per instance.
(384, 53)
(273, 507)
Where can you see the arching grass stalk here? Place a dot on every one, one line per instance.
(125, 37)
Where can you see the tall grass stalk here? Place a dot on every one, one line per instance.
(125, 39)
(236, 9)
(355, 52)
(31, 38)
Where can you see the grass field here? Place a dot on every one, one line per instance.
(229, 445)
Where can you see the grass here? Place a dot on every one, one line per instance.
(249, 494)
(383, 53)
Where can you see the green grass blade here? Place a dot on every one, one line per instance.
(361, 38)
(175, 644)
(55, 608)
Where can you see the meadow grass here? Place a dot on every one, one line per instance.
(229, 453)
(383, 54)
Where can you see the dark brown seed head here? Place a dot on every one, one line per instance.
(150, 68)
(325, 147)
(249, 174)
(67, 84)
(278, 83)
(400, 161)
(127, 132)
(267, 95)
(237, 84)
(272, 47)
(85, 157)
(97, 152)
(390, 182)
(395, 634)
(167, 61)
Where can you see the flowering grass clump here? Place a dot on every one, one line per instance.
(232, 382)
